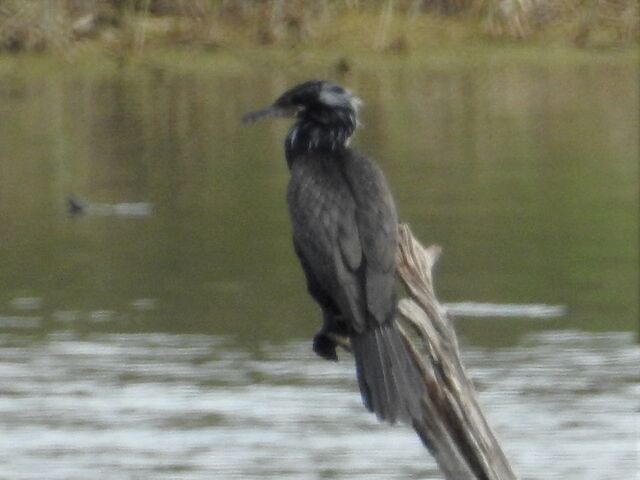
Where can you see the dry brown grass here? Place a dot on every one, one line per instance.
(397, 25)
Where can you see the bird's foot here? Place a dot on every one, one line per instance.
(324, 346)
(325, 343)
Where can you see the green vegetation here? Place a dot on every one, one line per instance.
(127, 27)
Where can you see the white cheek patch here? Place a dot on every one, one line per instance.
(333, 98)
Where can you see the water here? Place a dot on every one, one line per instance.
(200, 406)
(175, 343)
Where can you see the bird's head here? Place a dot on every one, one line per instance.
(326, 116)
(315, 100)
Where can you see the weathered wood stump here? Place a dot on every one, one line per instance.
(453, 427)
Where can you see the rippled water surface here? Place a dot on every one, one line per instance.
(200, 406)
(165, 332)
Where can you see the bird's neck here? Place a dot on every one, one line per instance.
(319, 135)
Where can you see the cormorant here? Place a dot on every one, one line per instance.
(345, 230)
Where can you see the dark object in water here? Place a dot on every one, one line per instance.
(75, 206)
(345, 233)
(343, 66)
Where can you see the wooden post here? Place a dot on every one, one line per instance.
(453, 427)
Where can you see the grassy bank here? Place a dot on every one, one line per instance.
(312, 62)
(122, 28)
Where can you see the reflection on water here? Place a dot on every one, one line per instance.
(199, 406)
(159, 335)
(527, 176)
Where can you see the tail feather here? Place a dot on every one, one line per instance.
(390, 382)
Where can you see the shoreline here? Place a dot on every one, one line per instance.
(329, 62)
